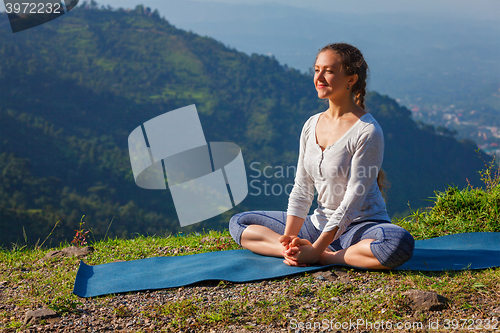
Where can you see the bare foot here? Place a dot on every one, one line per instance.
(290, 262)
(326, 257)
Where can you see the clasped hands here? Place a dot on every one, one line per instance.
(299, 252)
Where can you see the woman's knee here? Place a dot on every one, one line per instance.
(236, 228)
(239, 222)
(395, 248)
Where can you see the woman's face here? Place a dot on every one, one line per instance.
(329, 78)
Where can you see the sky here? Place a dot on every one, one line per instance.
(475, 9)
(479, 9)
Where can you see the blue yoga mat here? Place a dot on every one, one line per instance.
(453, 252)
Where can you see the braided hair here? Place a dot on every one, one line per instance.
(353, 62)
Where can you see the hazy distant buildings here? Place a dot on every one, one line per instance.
(467, 124)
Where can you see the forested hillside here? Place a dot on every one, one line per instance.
(73, 89)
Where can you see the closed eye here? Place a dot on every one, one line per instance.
(329, 71)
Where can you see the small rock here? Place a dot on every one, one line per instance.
(77, 251)
(328, 275)
(33, 316)
(343, 276)
(340, 272)
(52, 254)
(70, 251)
(424, 300)
(52, 321)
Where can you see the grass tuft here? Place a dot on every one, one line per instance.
(459, 211)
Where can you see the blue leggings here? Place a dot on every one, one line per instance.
(393, 245)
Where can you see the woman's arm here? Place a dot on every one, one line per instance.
(292, 228)
(325, 239)
(293, 225)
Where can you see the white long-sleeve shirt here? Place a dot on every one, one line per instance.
(344, 175)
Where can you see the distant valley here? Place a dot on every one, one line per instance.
(445, 70)
(73, 90)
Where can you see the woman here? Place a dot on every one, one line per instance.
(341, 152)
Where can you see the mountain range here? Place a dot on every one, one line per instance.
(73, 89)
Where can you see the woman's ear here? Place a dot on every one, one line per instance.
(352, 80)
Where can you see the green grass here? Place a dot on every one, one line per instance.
(371, 295)
(50, 282)
(458, 211)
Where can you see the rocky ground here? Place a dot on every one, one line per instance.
(145, 312)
